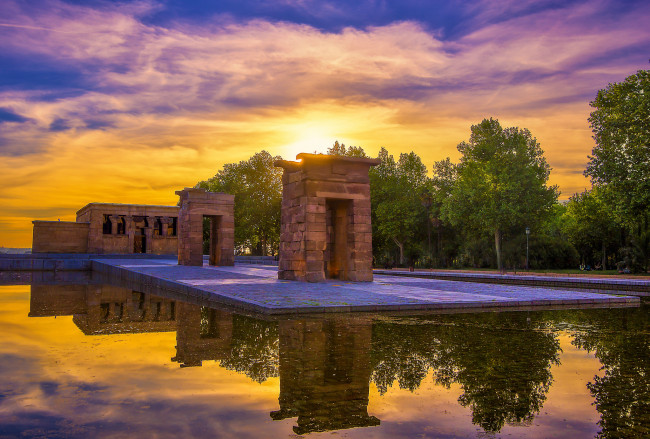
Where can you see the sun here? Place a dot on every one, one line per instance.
(308, 137)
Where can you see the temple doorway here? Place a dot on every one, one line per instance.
(214, 230)
(337, 249)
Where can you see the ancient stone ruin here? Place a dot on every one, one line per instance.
(325, 229)
(111, 228)
(219, 208)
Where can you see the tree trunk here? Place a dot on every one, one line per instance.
(497, 244)
(401, 251)
(604, 256)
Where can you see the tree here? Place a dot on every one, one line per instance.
(590, 223)
(620, 161)
(501, 182)
(257, 186)
(351, 151)
(621, 158)
(398, 214)
(440, 186)
(255, 348)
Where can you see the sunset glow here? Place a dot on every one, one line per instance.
(129, 101)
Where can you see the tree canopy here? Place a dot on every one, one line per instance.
(621, 158)
(257, 186)
(590, 223)
(395, 191)
(501, 182)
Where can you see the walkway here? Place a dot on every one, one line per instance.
(257, 288)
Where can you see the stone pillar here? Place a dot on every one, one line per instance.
(129, 230)
(196, 342)
(115, 220)
(165, 224)
(220, 207)
(148, 233)
(325, 227)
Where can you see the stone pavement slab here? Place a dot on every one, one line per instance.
(257, 288)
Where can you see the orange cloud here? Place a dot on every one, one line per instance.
(159, 108)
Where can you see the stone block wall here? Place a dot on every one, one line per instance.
(220, 208)
(325, 226)
(60, 237)
(130, 228)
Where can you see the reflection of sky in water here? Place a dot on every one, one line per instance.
(439, 380)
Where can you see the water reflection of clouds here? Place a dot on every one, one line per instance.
(434, 374)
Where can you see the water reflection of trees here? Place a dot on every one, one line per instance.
(502, 362)
(240, 343)
(620, 339)
(254, 348)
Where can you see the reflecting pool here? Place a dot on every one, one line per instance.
(99, 360)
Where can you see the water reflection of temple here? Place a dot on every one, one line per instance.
(324, 365)
(325, 374)
(203, 334)
(104, 309)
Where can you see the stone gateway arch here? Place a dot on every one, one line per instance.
(325, 230)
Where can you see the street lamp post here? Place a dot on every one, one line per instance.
(527, 234)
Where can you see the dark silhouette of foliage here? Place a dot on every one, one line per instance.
(254, 349)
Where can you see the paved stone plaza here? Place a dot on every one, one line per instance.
(257, 288)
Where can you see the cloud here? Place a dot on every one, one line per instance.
(106, 105)
(6, 115)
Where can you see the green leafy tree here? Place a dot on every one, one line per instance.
(440, 187)
(254, 349)
(621, 158)
(590, 223)
(257, 186)
(620, 161)
(398, 214)
(501, 182)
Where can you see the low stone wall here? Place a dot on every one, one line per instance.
(258, 260)
(633, 287)
(60, 237)
(61, 261)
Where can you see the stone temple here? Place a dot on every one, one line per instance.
(325, 230)
(110, 228)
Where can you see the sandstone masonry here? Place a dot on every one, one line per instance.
(220, 209)
(325, 229)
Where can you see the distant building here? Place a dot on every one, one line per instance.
(111, 228)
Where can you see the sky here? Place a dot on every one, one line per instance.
(128, 101)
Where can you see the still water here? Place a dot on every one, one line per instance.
(97, 360)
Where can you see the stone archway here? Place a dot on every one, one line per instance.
(219, 208)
